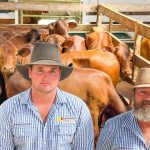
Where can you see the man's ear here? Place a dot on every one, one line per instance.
(29, 72)
(60, 73)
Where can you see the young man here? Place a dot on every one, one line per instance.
(130, 130)
(45, 117)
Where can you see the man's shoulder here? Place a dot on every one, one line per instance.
(13, 101)
(71, 99)
(120, 119)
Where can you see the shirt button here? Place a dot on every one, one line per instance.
(44, 142)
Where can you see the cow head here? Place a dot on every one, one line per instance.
(7, 58)
(43, 34)
(61, 27)
(67, 45)
(74, 43)
(124, 56)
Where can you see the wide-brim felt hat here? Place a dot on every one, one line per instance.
(44, 53)
(142, 80)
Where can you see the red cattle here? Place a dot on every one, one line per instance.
(7, 32)
(15, 29)
(7, 57)
(98, 40)
(61, 27)
(55, 39)
(101, 60)
(102, 40)
(124, 55)
(5, 35)
(93, 59)
(145, 48)
(8, 50)
(74, 43)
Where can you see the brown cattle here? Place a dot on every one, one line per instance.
(145, 48)
(43, 34)
(98, 40)
(7, 32)
(5, 35)
(74, 43)
(124, 55)
(102, 40)
(54, 39)
(93, 86)
(7, 57)
(93, 59)
(8, 50)
(101, 60)
(61, 27)
(15, 29)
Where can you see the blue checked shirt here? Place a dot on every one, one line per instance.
(68, 127)
(122, 133)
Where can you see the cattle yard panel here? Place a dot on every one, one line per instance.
(131, 24)
(137, 27)
(92, 8)
(111, 11)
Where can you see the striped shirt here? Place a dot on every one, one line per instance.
(122, 133)
(68, 126)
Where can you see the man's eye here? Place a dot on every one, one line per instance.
(142, 92)
(52, 71)
(40, 71)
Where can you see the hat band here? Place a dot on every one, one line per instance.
(46, 62)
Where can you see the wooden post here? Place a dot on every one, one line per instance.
(99, 19)
(16, 15)
(134, 50)
(110, 24)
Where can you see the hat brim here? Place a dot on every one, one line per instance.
(125, 89)
(24, 69)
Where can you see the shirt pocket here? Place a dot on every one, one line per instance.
(66, 133)
(23, 134)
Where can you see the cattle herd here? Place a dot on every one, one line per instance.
(96, 60)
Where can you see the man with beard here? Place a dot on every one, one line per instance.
(130, 130)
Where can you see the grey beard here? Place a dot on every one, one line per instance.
(142, 114)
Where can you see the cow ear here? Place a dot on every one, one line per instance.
(68, 44)
(50, 27)
(23, 52)
(109, 49)
(72, 25)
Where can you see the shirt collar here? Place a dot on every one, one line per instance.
(131, 123)
(60, 97)
(130, 120)
(25, 97)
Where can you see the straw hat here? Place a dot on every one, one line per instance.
(44, 53)
(143, 80)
